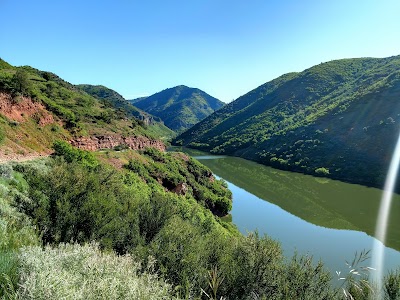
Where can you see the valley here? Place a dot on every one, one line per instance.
(80, 163)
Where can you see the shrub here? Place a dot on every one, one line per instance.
(83, 272)
(322, 171)
(71, 154)
(21, 82)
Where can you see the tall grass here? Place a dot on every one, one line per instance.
(84, 272)
(15, 228)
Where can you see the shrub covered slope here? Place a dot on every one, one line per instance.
(38, 107)
(338, 119)
(170, 236)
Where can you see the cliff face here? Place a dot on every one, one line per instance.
(20, 108)
(109, 142)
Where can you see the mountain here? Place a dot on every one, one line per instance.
(338, 119)
(113, 99)
(38, 108)
(179, 107)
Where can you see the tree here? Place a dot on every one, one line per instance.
(21, 81)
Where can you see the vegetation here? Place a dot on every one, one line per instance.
(68, 112)
(157, 234)
(16, 229)
(340, 116)
(127, 224)
(111, 98)
(84, 272)
(180, 107)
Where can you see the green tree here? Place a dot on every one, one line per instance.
(21, 82)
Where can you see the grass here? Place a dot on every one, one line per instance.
(8, 272)
(84, 272)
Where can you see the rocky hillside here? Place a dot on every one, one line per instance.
(179, 107)
(339, 119)
(37, 108)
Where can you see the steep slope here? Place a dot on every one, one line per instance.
(338, 119)
(113, 99)
(180, 107)
(37, 108)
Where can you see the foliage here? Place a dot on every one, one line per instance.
(180, 107)
(342, 115)
(72, 201)
(71, 154)
(130, 212)
(84, 272)
(355, 284)
(16, 229)
(21, 82)
(79, 113)
(392, 285)
(124, 108)
(322, 171)
(172, 169)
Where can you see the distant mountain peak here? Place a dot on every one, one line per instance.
(180, 107)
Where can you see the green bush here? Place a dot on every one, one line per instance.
(70, 154)
(21, 82)
(322, 171)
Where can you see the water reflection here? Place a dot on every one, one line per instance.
(329, 219)
(321, 201)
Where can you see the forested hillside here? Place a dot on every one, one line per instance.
(339, 119)
(113, 99)
(180, 107)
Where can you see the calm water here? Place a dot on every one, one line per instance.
(328, 219)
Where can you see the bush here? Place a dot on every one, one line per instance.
(71, 154)
(83, 272)
(21, 82)
(322, 171)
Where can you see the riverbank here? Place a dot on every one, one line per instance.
(325, 218)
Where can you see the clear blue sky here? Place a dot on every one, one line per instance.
(225, 48)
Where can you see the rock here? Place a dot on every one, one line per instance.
(21, 108)
(180, 189)
(109, 142)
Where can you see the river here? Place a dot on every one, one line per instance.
(328, 219)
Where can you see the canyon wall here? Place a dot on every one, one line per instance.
(109, 142)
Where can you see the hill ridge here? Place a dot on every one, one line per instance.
(318, 104)
(180, 107)
(38, 108)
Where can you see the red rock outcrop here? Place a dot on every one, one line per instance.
(109, 142)
(20, 108)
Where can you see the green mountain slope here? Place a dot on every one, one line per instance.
(113, 99)
(338, 119)
(38, 107)
(180, 107)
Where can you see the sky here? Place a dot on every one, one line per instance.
(225, 48)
